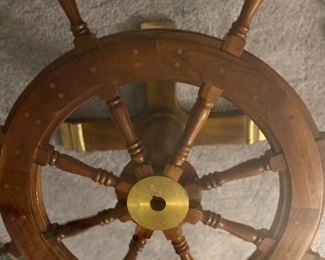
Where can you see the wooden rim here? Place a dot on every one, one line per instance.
(160, 55)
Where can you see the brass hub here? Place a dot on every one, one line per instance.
(158, 203)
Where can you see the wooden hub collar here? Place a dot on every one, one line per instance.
(158, 203)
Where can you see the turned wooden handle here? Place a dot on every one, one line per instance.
(122, 119)
(241, 26)
(72, 165)
(78, 26)
(235, 40)
(249, 168)
(136, 246)
(207, 97)
(242, 231)
(181, 248)
(75, 227)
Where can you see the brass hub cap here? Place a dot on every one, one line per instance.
(158, 203)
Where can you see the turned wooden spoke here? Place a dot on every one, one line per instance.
(246, 169)
(67, 163)
(239, 230)
(208, 95)
(75, 227)
(10, 250)
(252, 167)
(179, 243)
(122, 119)
(138, 242)
(78, 26)
(235, 40)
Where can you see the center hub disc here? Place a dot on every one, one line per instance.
(158, 203)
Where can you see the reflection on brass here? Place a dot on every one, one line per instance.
(103, 135)
(254, 134)
(157, 25)
(158, 203)
(72, 137)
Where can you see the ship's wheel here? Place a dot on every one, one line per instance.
(161, 192)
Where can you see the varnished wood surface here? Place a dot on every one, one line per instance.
(78, 26)
(179, 243)
(312, 200)
(235, 40)
(207, 97)
(69, 164)
(75, 227)
(242, 231)
(202, 61)
(138, 242)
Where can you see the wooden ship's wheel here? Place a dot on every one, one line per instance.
(159, 190)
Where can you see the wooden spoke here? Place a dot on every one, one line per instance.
(179, 243)
(122, 119)
(208, 95)
(69, 164)
(138, 242)
(252, 167)
(235, 40)
(242, 231)
(249, 168)
(84, 39)
(78, 26)
(9, 250)
(76, 227)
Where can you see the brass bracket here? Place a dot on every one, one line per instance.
(82, 136)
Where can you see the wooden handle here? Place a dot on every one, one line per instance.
(235, 40)
(182, 248)
(75, 227)
(241, 26)
(239, 230)
(138, 242)
(206, 99)
(69, 164)
(252, 167)
(122, 119)
(78, 26)
(179, 243)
